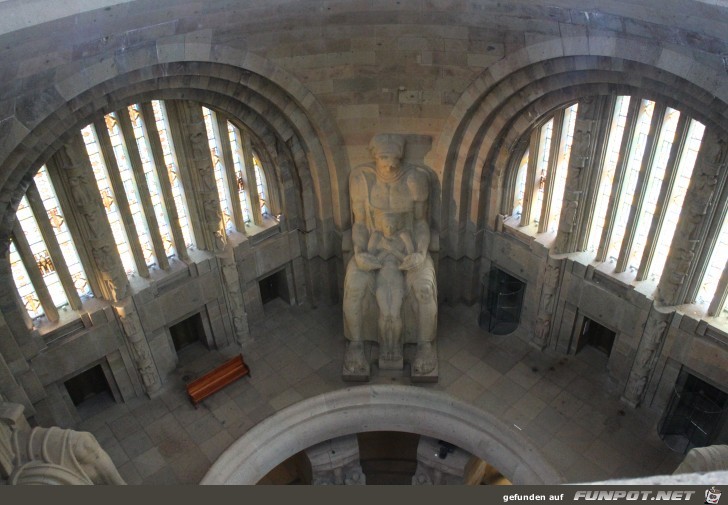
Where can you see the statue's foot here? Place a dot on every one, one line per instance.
(355, 361)
(425, 358)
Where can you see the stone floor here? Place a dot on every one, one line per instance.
(567, 405)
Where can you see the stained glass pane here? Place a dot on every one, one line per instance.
(626, 199)
(22, 284)
(544, 148)
(219, 167)
(40, 253)
(520, 185)
(108, 198)
(261, 185)
(238, 159)
(63, 234)
(170, 160)
(562, 164)
(652, 191)
(676, 198)
(616, 132)
(153, 184)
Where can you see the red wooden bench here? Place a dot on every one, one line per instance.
(214, 380)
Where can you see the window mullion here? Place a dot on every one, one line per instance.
(135, 160)
(619, 178)
(107, 151)
(34, 273)
(668, 182)
(554, 152)
(155, 148)
(54, 249)
(252, 187)
(531, 188)
(221, 132)
(646, 166)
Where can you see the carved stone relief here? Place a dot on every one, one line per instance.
(546, 306)
(138, 346)
(336, 462)
(234, 296)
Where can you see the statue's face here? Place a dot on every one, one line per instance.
(388, 164)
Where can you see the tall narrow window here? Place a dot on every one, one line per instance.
(108, 198)
(675, 200)
(716, 264)
(23, 285)
(520, 184)
(63, 234)
(616, 132)
(261, 186)
(656, 175)
(219, 167)
(561, 168)
(150, 175)
(173, 171)
(542, 166)
(40, 253)
(237, 148)
(130, 189)
(634, 163)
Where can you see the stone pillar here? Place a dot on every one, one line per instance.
(138, 345)
(648, 351)
(234, 295)
(439, 463)
(336, 462)
(76, 176)
(582, 154)
(189, 123)
(547, 302)
(694, 220)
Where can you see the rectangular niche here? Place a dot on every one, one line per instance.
(596, 336)
(87, 385)
(695, 416)
(274, 286)
(187, 332)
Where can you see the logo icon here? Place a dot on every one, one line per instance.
(712, 496)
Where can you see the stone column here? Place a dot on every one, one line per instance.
(189, 124)
(582, 153)
(73, 168)
(138, 345)
(234, 295)
(336, 462)
(648, 351)
(547, 302)
(694, 220)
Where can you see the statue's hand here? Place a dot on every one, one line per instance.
(367, 261)
(413, 261)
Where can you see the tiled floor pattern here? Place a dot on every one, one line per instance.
(567, 405)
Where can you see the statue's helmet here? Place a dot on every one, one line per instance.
(387, 143)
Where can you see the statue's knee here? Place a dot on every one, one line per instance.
(424, 292)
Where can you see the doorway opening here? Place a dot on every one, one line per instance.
(187, 332)
(274, 286)
(87, 385)
(695, 415)
(501, 301)
(388, 457)
(596, 336)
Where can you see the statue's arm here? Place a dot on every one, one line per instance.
(359, 230)
(420, 189)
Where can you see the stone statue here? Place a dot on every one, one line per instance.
(50, 455)
(656, 329)
(390, 290)
(712, 458)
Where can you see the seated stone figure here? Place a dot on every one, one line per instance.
(390, 297)
(50, 455)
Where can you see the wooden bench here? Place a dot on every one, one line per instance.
(214, 380)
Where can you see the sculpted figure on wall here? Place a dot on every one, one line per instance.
(656, 329)
(546, 303)
(50, 456)
(139, 347)
(390, 292)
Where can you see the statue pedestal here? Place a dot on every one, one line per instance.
(391, 364)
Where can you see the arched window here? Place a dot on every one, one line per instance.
(143, 190)
(637, 185)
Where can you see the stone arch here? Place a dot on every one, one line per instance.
(381, 408)
(513, 93)
(238, 80)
